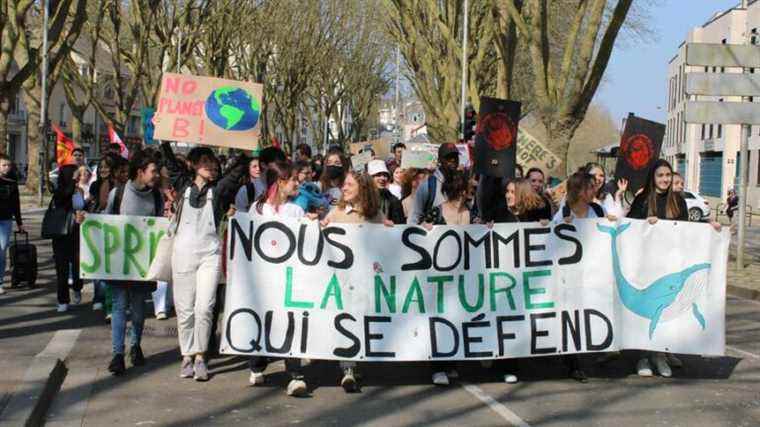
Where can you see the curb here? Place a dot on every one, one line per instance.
(29, 407)
(32, 398)
(746, 293)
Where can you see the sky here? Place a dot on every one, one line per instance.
(636, 78)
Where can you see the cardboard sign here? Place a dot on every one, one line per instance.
(381, 148)
(639, 148)
(420, 156)
(119, 247)
(410, 295)
(418, 160)
(210, 111)
(532, 154)
(496, 137)
(359, 161)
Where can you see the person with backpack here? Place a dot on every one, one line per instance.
(246, 195)
(140, 196)
(10, 208)
(429, 196)
(204, 201)
(65, 246)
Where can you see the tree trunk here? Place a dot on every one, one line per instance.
(76, 130)
(4, 111)
(559, 133)
(35, 145)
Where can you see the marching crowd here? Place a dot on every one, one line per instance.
(200, 190)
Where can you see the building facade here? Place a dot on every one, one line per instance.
(707, 155)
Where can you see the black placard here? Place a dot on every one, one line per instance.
(639, 148)
(496, 137)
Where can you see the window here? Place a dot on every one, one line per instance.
(758, 168)
(62, 115)
(723, 41)
(720, 131)
(711, 132)
(703, 131)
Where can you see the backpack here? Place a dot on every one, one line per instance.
(432, 214)
(598, 210)
(158, 207)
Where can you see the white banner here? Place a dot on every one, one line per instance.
(374, 293)
(118, 247)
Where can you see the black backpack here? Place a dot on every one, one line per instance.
(158, 207)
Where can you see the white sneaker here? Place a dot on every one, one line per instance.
(77, 297)
(256, 378)
(161, 316)
(661, 363)
(644, 368)
(440, 378)
(62, 308)
(2, 290)
(98, 306)
(510, 378)
(297, 388)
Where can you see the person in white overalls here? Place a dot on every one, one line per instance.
(196, 267)
(197, 252)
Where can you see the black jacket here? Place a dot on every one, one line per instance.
(224, 189)
(391, 207)
(10, 202)
(640, 207)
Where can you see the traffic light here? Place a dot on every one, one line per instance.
(470, 121)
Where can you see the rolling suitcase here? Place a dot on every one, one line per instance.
(23, 261)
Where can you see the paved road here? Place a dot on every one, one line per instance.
(721, 391)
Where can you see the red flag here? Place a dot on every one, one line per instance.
(114, 138)
(64, 148)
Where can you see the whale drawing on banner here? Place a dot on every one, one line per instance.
(667, 297)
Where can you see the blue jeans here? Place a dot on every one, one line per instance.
(133, 296)
(6, 227)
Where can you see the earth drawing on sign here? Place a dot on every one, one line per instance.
(233, 109)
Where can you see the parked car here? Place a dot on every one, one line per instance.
(699, 208)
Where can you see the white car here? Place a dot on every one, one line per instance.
(699, 208)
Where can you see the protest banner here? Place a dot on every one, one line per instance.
(532, 154)
(210, 111)
(496, 137)
(373, 293)
(639, 148)
(118, 247)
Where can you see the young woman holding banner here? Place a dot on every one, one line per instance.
(660, 201)
(581, 193)
(196, 257)
(275, 203)
(359, 204)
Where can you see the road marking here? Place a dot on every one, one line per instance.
(61, 344)
(495, 406)
(742, 352)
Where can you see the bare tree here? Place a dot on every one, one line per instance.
(64, 29)
(565, 82)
